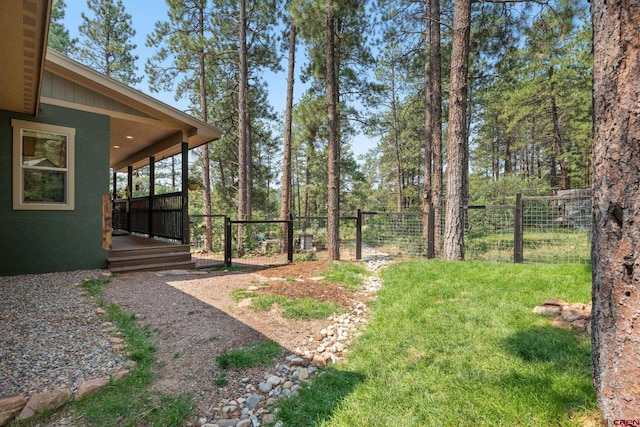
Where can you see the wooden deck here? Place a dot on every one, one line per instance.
(136, 253)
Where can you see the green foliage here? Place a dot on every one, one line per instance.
(297, 308)
(221, 379)
(240, 294)
(106, 41)
(95, 287)
(317, 400)
(196, 30)
(518, 132)
(449, 335)
(257, 353)
(305, 257)
(486, 191)
(59, 39)
(309, 308)
(349, 274)
(264, 302)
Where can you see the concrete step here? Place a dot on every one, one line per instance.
(185, 265)
(148, 251)
(152, 258)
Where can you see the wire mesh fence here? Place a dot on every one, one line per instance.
(557, 229)
(395, 233)
(489, 233)
(212, 256)
(257, 243)
(310, 237)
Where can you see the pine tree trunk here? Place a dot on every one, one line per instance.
(285, 204)
(242, 124)
(457, 138)
(427, 196)
(436, 71)
(333, 190)
(396, 143)
(249, 157)
(206, 171)
(557, 137)
(616, 238)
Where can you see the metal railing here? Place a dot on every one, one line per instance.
(157, 216)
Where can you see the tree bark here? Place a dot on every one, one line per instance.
(285, 204)
(242, 122)
(333, 190)
(558, 144)
(616, 210)
(427, 196)
(457, 138)
(436, 71)
(206, 170)
(396, 142)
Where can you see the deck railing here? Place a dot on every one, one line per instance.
(163, 219)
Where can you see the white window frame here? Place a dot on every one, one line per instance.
(18, 182)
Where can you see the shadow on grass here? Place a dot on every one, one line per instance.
(561, 347)
(560, 367)
(316, 402)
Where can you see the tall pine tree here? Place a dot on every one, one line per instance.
(59, 39)
(106, 41)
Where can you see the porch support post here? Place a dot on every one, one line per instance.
(129, 193)
(185, 193)
(152, 192)
(115, 185)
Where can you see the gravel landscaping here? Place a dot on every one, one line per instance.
(54, 337)
(51, 336)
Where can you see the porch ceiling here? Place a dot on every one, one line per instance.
(23, 36)
(140, 125)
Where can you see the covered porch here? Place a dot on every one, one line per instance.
(142, 132)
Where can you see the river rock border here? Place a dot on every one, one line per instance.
(254, 406)
(20, 408)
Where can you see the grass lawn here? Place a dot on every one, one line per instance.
(456, 343)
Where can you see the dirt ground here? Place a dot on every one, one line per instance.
(196, 319)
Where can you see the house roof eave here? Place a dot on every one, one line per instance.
(85, 76)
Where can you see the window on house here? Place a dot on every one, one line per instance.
(43, 159)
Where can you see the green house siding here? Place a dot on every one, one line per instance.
(47, 241)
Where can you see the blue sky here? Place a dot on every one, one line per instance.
(144, 14)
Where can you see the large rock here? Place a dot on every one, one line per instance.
(548, 310)
(48, 400)
(559, 322)
(228, 423)
(556, 302)
(10, 407)
(88, 388)
(580, 324)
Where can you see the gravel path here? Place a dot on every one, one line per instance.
(52, 338)
(50, 334)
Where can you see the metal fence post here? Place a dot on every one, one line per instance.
(518, 256)
(431, 232)
(227, 241)
(359, 235)
(152, 194)
(290, 237)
